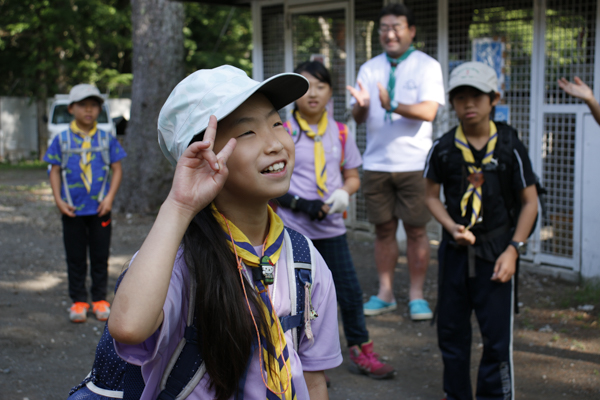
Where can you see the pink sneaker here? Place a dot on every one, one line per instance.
(367, 362)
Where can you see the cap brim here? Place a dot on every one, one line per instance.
(480, 86)
(100, 99)
(284, 89)
(280, 90)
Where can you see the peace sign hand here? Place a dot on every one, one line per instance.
(200, 174)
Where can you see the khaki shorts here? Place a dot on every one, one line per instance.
(395, 195)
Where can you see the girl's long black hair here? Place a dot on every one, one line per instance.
(225, 327)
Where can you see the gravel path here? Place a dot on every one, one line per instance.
(42, 354)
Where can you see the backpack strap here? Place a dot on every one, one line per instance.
(186, 366)
(65, 153)
(104, 147)
(288, 126)
(300, 277)
(65, 148)
(343, 135)
(104, 144)
(133, 382)
(504, 154)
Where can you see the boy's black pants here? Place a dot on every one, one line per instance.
(493, 306)
(80, 234)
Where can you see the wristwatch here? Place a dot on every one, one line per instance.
(294, 202)
(393, 105)
(521, 247)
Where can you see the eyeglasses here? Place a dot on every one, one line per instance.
(397, 28)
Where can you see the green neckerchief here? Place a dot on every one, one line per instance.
(394, 62)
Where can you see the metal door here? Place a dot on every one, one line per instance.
(566, 42)
(323, 31)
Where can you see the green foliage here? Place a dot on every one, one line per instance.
(588, 293)
(49, 46)
(46, 46)
(24, 164)
(217, 35)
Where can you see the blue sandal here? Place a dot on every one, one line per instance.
(419, 310)
(376, 306)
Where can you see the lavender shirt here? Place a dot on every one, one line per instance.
(303, 180)
(154, 354)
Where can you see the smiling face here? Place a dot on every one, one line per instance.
(473, 106)
(395, 35)
(85, 113)
(313, 103)
(261, 165)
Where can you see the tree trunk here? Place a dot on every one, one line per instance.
(158, 65)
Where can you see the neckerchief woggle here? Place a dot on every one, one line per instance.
(85, 163)
(320, 161)
(277, 354)
(394, 62)
(475, 178)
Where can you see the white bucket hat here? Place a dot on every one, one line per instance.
(475, 74)
(83, 91)
(217, 92)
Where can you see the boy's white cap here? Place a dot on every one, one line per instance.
(83, 91)
(475, 74)
(217, 92)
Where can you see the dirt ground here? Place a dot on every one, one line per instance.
(42, 354)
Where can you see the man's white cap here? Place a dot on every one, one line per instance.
(83, 91)
(475, 74)
(217, 92)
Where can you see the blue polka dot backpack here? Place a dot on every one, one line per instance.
(113, 378)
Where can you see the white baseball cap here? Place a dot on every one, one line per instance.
(217, 92)
(83, 91)
(475, 74)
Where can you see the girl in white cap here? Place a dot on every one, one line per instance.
(215, 229)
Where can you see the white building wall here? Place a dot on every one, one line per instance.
(18, 128)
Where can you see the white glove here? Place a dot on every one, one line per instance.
(338, 201)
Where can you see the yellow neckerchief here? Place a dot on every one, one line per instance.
(476, 176)
(277, 353)
(320, 162)
(86, 156)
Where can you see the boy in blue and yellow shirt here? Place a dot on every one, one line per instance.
(81, 160)
(485, 171)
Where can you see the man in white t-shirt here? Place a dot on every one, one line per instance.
(397, 94)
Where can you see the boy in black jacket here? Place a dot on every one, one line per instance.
(486, 172)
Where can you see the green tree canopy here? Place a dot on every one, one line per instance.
(217, 35)
(46, 46)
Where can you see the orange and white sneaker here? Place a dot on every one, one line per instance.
(78, 311)
(101, 309)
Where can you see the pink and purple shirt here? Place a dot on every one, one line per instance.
(303, 182)
(154, 353)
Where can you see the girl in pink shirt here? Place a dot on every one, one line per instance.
(325, 176)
